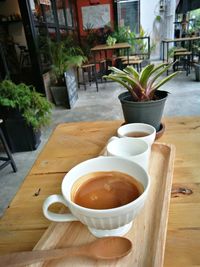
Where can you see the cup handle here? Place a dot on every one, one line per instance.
(55, 217)
(112, 139)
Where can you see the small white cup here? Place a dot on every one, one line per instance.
(105, 222)
(133, 149)
(126, 129)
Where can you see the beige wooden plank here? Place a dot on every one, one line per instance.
(185, 193)
(184, 215)
(19, 240)
(71, 145)
(148, 231)
(182, 248)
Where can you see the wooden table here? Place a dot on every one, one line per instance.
(177, 40)
(105, 48)
(23, 223)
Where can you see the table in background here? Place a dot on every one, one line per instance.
(177, 40)
(23, 223)
(105, 48)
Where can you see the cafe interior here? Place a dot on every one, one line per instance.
(64, 51)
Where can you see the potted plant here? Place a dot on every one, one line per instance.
(65, 56)
(24, 111)
(111, 40)
(197, 71)
(143, 102)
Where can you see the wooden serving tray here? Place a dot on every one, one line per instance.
(148, 232)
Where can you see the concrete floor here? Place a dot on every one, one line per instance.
(184, 100)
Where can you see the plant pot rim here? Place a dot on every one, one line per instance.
(163, 95)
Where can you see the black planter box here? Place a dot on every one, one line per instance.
(67, 94)
(197, 72)
(19, 136)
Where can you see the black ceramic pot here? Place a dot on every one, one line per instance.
(197, 71)
(149, 112)
(19, 135)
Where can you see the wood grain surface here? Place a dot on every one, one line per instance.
(23, 223)
(148, 232)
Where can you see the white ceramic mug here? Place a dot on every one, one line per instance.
(105, 222)
(126, 129)
(133, 149)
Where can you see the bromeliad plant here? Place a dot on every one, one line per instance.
(142, 86)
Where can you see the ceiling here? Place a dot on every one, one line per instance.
(183, 6)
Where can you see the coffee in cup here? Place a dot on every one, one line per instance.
(107, 220)
(105, 190)
(141, 131)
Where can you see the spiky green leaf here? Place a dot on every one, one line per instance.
(165, 68)
(156, 68)
(132, 71)
(145, 74)
(115, 70)
(123, 83)
(163, 81)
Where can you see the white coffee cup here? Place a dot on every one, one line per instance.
(133, 149)
(104, 222)
(126, 129)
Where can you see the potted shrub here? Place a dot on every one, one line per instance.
(143, 102)
(65, 56)
(24, 111)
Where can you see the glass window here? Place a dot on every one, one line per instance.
(68, 11)
(43, 46)
(60, 12)
(49, 14)
(36, 10)
(53, 19)
(128, 14)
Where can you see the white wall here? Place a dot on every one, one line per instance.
(149, 9)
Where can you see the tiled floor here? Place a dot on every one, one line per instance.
(184, 100)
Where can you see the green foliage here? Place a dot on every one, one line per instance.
(138, 46)
(123, 34)
(65, 54)
(196, 14)
(142, 86)
(158, 18)
(111, 40)
(35, 108)
(171, 51)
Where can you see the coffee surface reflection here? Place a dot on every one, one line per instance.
(105, 190)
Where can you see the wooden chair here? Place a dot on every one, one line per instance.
(9, 159)
(90, 70)
(183, 58)
(102, 68)
(135, 61)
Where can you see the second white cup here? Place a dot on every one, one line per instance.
(133, 149)
(139, 131)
